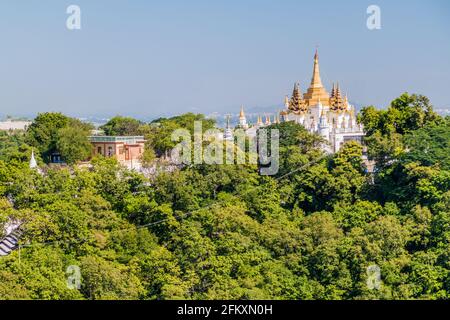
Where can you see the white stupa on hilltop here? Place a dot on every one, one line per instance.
(33, 163)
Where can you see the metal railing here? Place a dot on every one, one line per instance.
(124, 139)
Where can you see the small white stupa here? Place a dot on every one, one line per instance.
(33, 163)
(228, 135)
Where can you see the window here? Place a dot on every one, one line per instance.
(110, 151)
(99, 150)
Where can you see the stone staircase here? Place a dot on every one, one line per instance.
(10, 242)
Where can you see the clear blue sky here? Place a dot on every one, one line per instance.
(146, 58)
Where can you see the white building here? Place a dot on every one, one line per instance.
(242, 119)
(11, 125)
(329, 115)
(251, 130)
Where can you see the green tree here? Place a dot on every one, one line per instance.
(40, 273)
(42, 133)
(73, 144)
(122, 126)
(430, 145)
(105, 280)
(160, 136)
(49, 128)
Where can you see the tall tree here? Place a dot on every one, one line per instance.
(54, 132)
(73, 143)
(122, 126)
(43, 132)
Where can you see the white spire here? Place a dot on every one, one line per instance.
(33, 163)
(323, 121)
(242, 119)
(228, 135)
(319, 104)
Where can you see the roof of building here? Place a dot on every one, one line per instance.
(117, 139)
(14, 125)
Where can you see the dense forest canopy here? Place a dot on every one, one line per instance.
(226, 232)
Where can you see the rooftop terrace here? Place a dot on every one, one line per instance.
(116, 139)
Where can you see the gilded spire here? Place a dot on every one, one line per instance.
(333, 91)
(316, 89)
(297, 103)
(316, 82)
(242, 114)
(336, 101)
(286, 102)
(296, 94)
(242, 119)
(259, 122)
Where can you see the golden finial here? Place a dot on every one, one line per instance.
(316, 82)
(259, 121)
(242, 114)
(333, 91)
